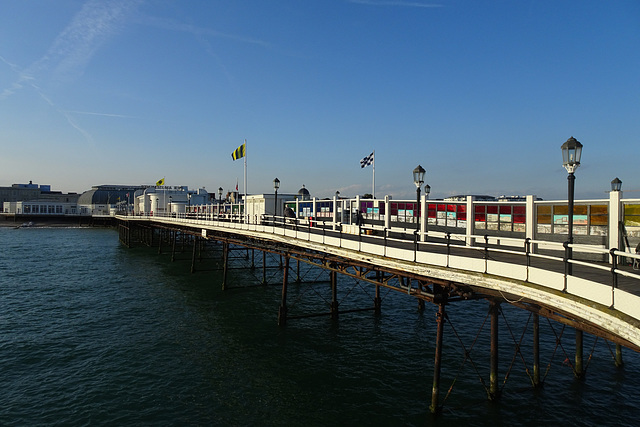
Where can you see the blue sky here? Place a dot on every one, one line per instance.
(482, 94)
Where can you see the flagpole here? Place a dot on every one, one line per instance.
(374, 174)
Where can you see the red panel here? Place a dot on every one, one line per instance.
(481, 217)
(505, 209)
(519, 210)
(519, 219)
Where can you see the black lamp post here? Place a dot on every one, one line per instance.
(616, 185)
(276, 185)
(571, 152)
(418, 180)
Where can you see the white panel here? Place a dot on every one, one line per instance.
(317, 238)
(471, 264)
(371, 248)
(332, 241)
(505, 269)
(350, 244)
(592, 291)
(627, 303)
(432, 259)
(545, 278)
(402, 254)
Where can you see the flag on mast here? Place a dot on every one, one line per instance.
(367, 160)
(160, 182)
(240, 152)
(370, 160)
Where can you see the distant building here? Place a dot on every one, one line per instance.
(164, 199)
(303, 194)
(107, 199)
(461, 198)
(36, 199)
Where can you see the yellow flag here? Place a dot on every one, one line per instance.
(160, 182)
(240, 152)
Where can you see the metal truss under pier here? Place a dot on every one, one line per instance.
(422, 285)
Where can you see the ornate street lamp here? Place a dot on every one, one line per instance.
(276, 185)
(427, 191)
(418, 180)
(616, 185)
(571, 152)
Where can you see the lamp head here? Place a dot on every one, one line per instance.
(571, 152)
(616, 184)
(418, 176)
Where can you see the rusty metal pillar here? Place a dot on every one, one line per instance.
(494, 311)
(333, 276)
(282, 311)
(193, 255)
(173, 245)
(298, 279)
(225, 264)
(578, 369)
(159, 242)
(377, 301)
(264, 267)
(435, 391)
(536, 350)
(619, 363)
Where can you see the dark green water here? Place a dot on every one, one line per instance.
(93, 333)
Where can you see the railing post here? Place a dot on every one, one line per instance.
(567, 269)
(527, 249)
(614, 274)
(448, 246)
(486, 252)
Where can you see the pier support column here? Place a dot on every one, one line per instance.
(619, 363)
(333, 275)
(536, 350)
(174, 236)
(193, 255)
(225, 264)
(282, 311)
(579, 367)
(435, 391)
(377, 301)
(264, 267)
(494, 390)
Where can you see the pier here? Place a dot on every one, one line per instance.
(584, 285)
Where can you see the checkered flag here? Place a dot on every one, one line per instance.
(366, 161)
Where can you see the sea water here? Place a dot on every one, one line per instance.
(94, 333)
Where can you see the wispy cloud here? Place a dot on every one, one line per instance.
(399, 3)
(171, 25)
(91, 113)
(72, 49)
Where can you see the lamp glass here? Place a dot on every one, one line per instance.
(276, 183)
(616, 184)
(418, 176)
(571, 153)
